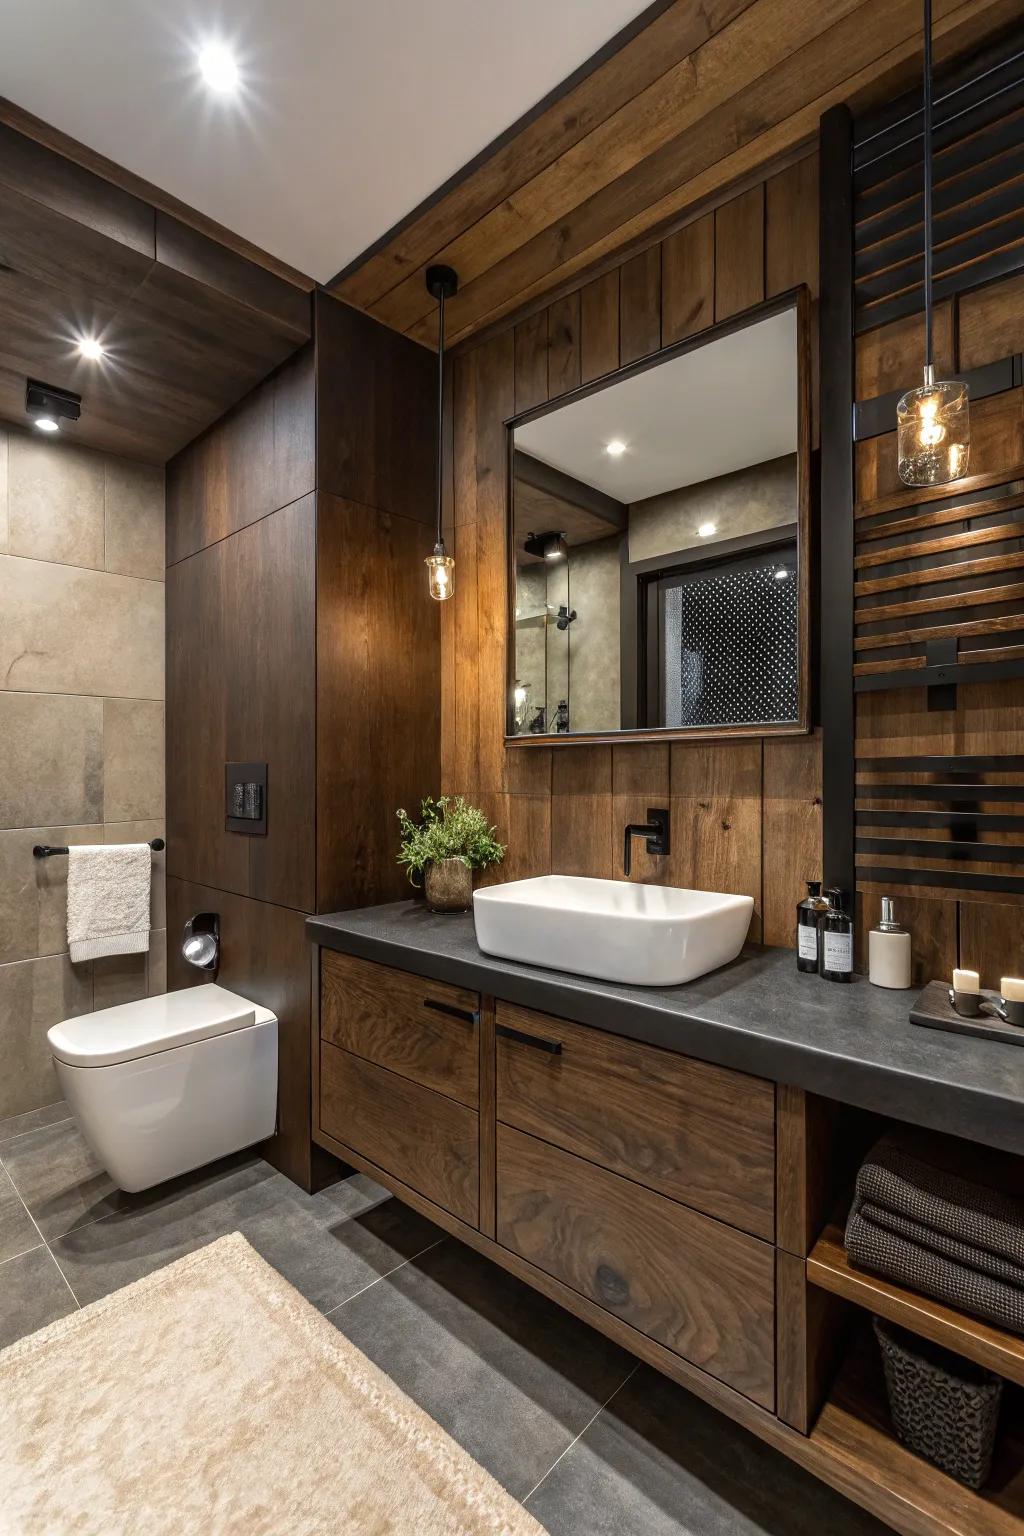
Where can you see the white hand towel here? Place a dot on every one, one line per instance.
(108, 899)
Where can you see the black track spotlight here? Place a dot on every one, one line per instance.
(47, 405)
(546, 546)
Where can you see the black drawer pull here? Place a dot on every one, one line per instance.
(470, 1016)
(539, 1044)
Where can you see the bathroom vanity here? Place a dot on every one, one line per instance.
(668, 1164)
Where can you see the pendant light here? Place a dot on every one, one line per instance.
(442, 283)
(933, 421)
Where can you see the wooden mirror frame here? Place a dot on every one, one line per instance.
(795, 298)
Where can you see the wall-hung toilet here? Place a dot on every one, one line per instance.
(169, 1083)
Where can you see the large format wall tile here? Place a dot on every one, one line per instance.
(64, 630)
(3, 491)
(51, 759)
(134, 519)
(34, 892)
(133, 759)
(55, 501)
(33, 995)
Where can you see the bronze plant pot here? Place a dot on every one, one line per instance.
(449, 886)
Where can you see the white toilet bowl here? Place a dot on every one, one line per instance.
(169, 1083)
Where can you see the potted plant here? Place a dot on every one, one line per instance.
(449, 842)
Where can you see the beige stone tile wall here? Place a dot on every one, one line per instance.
(81, 727)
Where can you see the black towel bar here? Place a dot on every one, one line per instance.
(44, 851)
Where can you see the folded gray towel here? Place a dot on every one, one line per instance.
(943, 1186)
(946, 1247)
(922, 1269)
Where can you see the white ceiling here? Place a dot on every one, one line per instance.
(722, 407)
(352, 111)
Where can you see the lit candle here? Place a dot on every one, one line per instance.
(966, 981)
(1012, 989)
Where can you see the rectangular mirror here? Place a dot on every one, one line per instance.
(659, 549)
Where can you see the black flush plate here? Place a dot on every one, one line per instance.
(245, 798)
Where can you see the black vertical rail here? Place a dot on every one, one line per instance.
(835, 255)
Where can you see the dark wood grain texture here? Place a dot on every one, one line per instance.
(264, 957)
(697, 1133)
(378, 696)
(640, 305)
(488, 1118)
(688, 280)
(423, 1138)
(739, 254)
(423, 1030)
(694, 1285)
(599, 327)
(812, 1328)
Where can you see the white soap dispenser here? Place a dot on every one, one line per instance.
(889, 951)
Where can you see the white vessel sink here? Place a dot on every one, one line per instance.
(651, 935)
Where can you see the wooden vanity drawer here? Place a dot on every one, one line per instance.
(698, 1133)
(423, 1030)
(700, 1288)
(423, 1138)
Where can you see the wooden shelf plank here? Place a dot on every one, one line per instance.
(829, 1268)
(854, 1431)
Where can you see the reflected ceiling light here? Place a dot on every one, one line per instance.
(781, 573)
(547, 546)
(933, 421)
(218, 68)
(616, 447)
(47, 405)
(706, 530)
(90, 348)
(442, 284)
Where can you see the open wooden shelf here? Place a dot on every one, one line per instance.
(854, 1431)
(830, 1270)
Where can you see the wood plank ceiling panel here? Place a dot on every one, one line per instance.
(690, 109)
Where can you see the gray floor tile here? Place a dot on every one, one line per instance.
(332, 1245)
(17, 1125)
(508, 1374)
(32, 1294)
(18, 1232)
(658, 1462)
(329, 1246)
(158, 1226)
(58, 1178)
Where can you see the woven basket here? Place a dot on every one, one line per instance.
(943, 1407)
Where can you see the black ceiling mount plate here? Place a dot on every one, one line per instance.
(442, 282)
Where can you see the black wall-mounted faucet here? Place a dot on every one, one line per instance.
(655, 829)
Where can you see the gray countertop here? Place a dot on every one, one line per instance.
(854, 1043)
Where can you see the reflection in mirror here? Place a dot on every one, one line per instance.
(656, 530)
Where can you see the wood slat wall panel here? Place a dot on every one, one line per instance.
(563, 809)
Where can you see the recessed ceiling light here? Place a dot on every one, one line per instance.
(46, 423)
(616, 447)
(92, 349)
(218, 68)
(706, 530)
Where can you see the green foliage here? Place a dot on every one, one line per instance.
(448, 829)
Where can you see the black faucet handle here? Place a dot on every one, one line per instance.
(655, 830)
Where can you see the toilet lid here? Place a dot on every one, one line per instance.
(131, 1030)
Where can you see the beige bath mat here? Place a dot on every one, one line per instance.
(211, 1398)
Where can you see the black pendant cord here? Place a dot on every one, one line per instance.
(440, 410)
(928, 186)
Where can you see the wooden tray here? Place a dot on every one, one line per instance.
(934, 1010)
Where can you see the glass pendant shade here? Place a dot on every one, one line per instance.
(440, 574)
(934, 432)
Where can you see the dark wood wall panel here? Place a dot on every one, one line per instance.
(378, 701)
(255, 459)
(241, 680)
(265, 957)
(563, 809)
